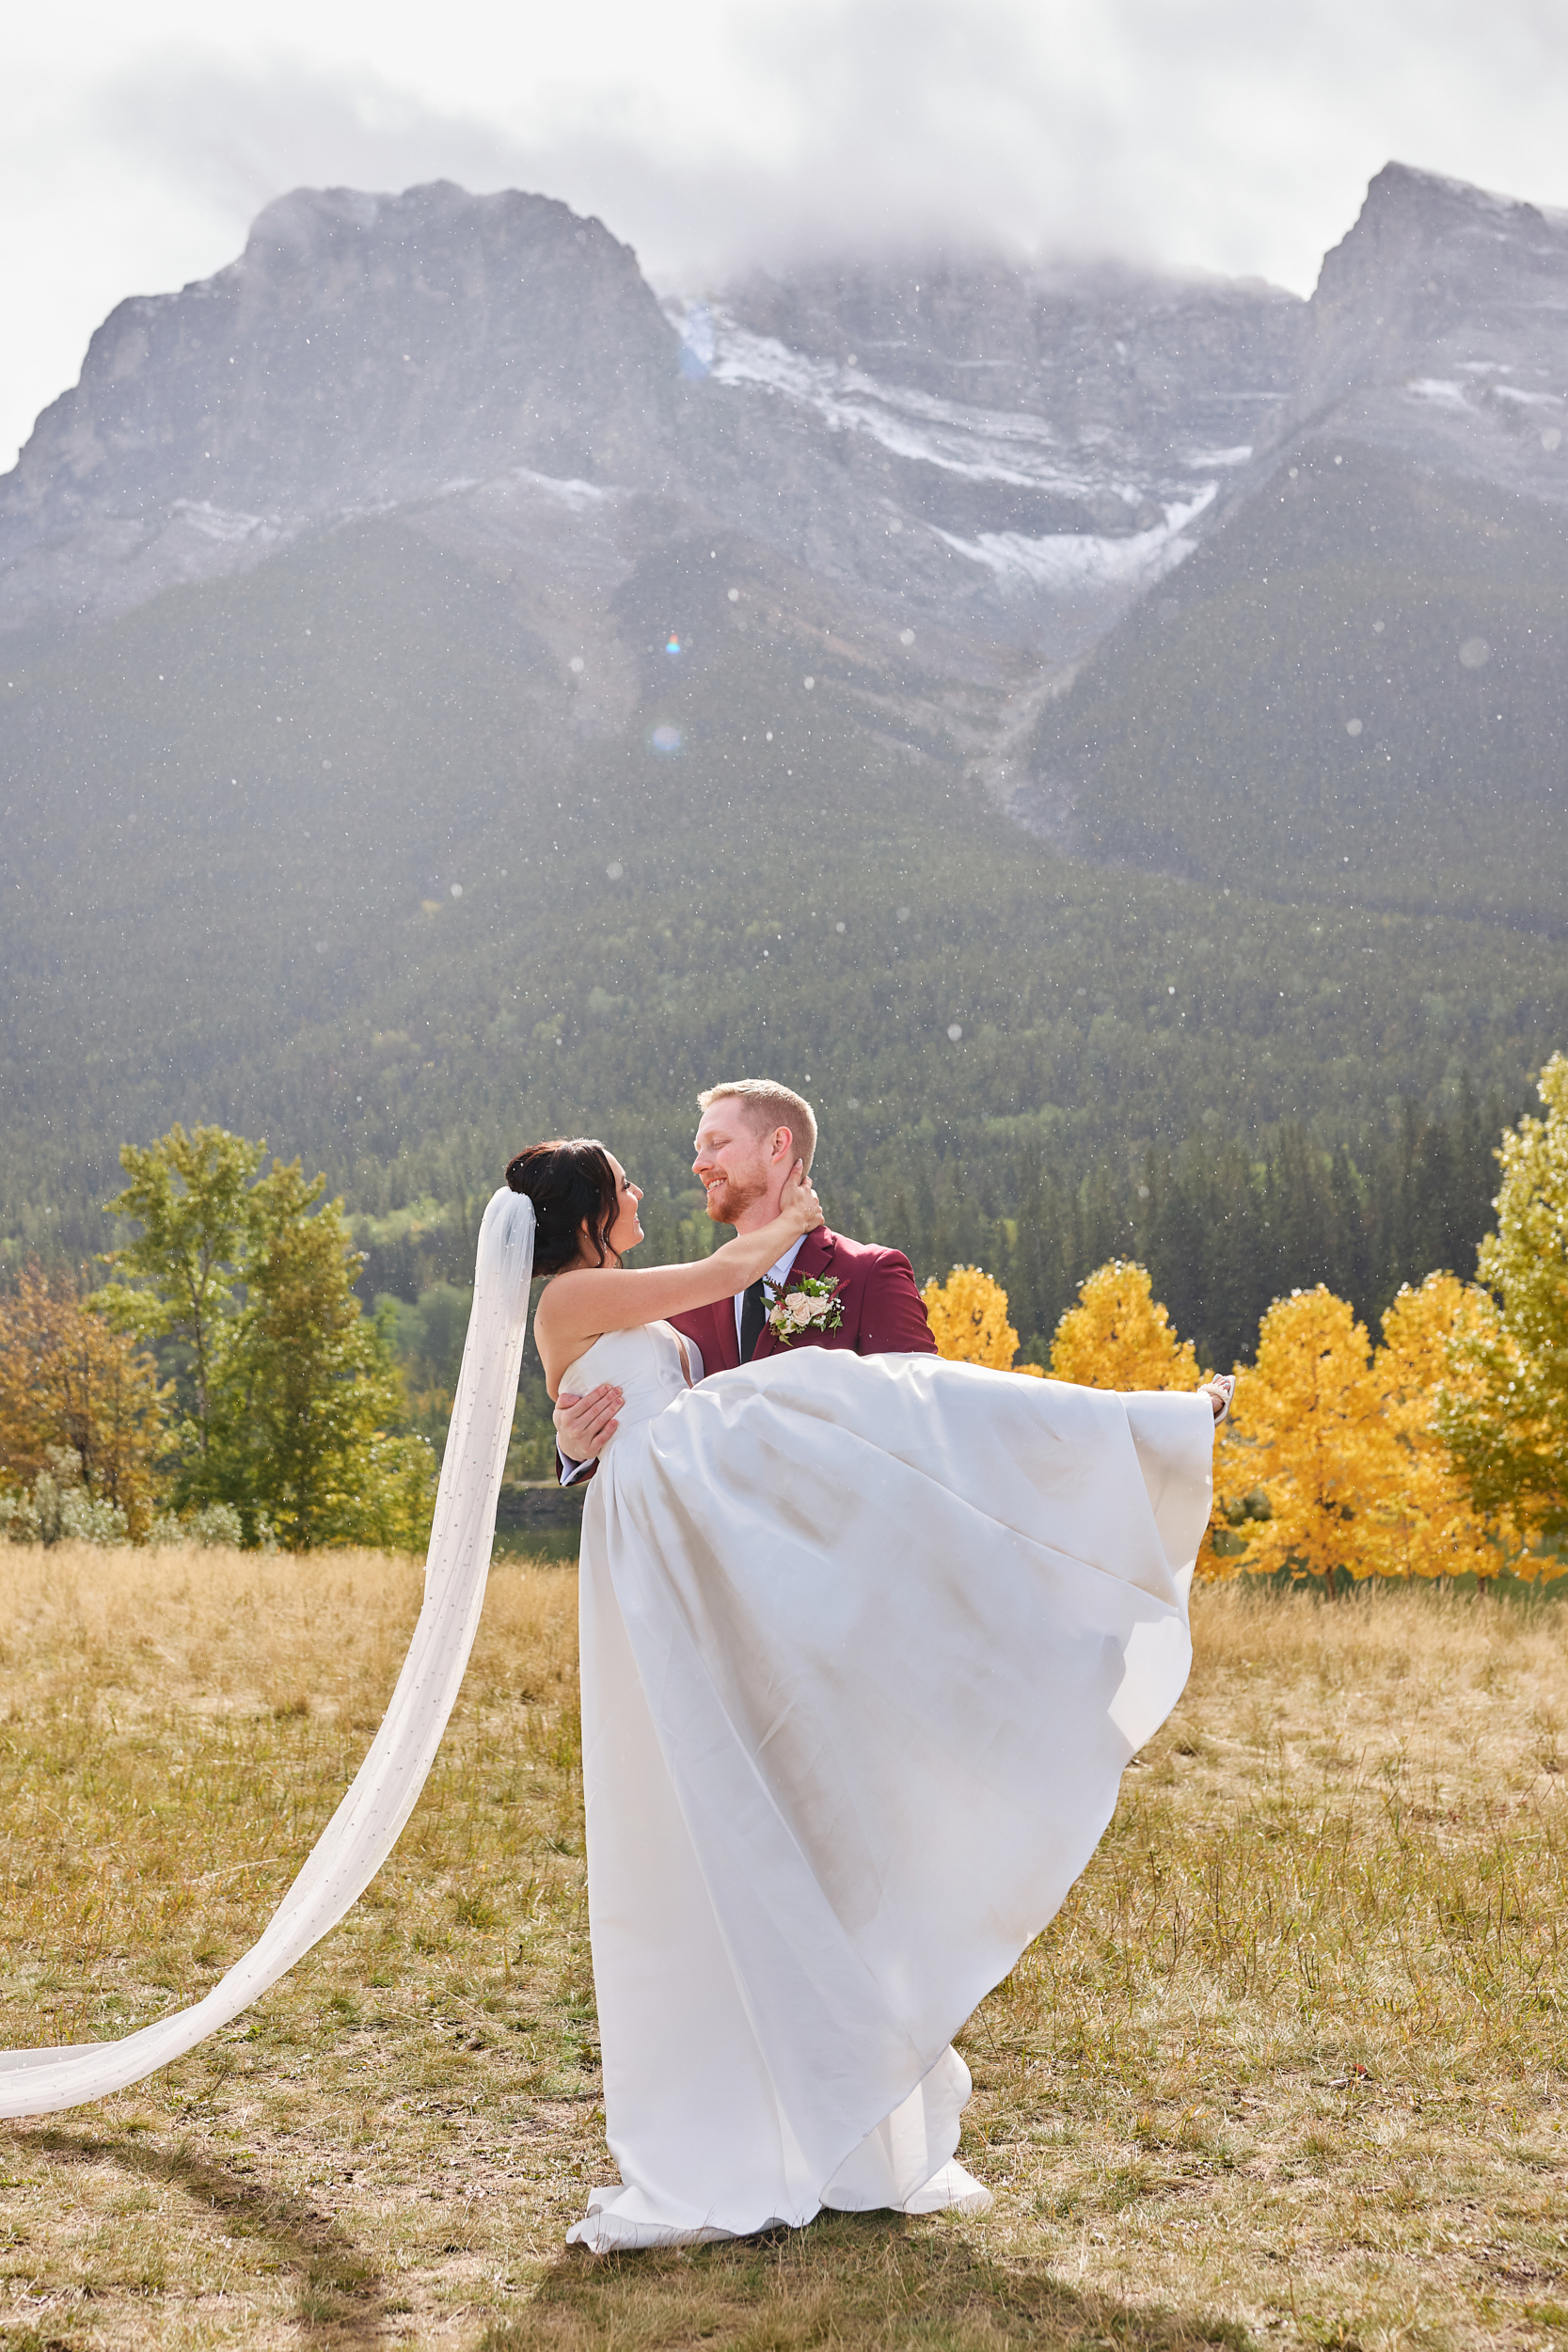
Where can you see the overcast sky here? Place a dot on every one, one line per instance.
(1235, 136)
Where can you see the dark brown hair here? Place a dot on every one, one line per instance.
(571, 1184)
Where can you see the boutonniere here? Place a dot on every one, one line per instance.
(806, 1303)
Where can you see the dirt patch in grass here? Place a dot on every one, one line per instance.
(1288, 2068)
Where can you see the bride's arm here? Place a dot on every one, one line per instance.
(578, 1307)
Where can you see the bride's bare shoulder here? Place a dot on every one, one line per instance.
(565, 1309)
(555, 1295)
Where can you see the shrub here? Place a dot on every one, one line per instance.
(61, 1508)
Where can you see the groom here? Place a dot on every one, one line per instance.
(751, 1134)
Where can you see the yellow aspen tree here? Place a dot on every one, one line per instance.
(1310, 1431)
(968, 1315)
(1120, 1337)
(1430, 1523)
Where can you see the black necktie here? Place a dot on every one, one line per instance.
(753, 1314)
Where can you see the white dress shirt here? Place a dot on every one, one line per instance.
(777, 1274)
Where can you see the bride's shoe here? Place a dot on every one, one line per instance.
(1222, 1388)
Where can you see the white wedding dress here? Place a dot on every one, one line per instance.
(866, 1645)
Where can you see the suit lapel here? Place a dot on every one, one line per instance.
(726, 1346)
(817, 1257)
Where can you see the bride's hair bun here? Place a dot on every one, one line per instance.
(571, 1184)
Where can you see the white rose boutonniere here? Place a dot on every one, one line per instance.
(806, 1305)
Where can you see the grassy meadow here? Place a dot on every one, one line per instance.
(1288, 2070)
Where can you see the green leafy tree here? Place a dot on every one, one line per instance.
(1504, 1413)
(309, 1388)
(291, 1398)
(400, 1496)
(175, 1283)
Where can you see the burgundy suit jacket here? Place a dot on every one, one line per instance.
(882, 1310)
(883, 1313)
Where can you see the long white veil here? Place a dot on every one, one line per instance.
(368, 1823)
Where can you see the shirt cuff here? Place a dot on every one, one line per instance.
(571, 1471)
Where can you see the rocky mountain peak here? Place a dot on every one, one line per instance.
(362, 348)
(1439, 324)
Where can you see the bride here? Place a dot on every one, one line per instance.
(867, 1642)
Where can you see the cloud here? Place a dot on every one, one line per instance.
(1222, 134)
(234, 137)
(1233, 135)
(833, 126)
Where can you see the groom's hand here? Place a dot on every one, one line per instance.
(585, 1425)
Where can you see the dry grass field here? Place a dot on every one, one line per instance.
(1288, 2071)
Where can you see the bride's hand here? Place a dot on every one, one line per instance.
(798, 1202)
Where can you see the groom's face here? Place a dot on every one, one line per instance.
(733, 1164)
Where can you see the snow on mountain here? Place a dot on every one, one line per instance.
(1100, 460)
(1067, 561)
(979, 444)
(1126, 503)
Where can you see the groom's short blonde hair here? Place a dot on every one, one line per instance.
(769, 1104)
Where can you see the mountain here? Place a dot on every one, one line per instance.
(1355, 693)
(1439, 331)
(363, 353)
(449, 694)
(1008, 459)
(1060, 433)
(1357, 688)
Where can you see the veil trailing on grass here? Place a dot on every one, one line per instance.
(368, 1823)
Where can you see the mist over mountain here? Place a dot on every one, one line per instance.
(448, 690)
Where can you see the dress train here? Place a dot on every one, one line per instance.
(866, 1645)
